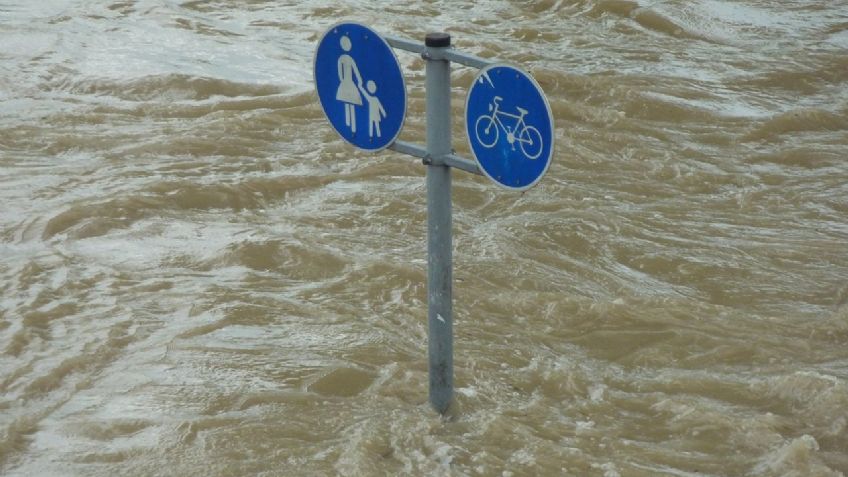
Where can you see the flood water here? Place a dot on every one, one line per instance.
(199, 278)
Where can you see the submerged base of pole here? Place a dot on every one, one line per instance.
(439, 240)
(439, 279)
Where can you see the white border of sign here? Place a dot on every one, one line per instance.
(403, 80)
(550, 157)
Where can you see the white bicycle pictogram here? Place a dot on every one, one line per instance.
(487, 128)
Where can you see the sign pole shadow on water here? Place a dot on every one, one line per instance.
(509, 127)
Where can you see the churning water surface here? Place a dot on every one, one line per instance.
(198, 277)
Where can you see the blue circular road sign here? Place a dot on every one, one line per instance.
(509, 126)
(360, 86)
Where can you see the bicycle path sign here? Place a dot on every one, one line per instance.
(509, 126)
(360, 86)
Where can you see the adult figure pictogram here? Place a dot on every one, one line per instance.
(348, 91)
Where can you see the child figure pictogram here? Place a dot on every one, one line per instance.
(376, 113)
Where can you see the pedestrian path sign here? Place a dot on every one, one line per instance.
(360, 86)
(509, 126)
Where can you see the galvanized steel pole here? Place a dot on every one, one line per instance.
(439, 241)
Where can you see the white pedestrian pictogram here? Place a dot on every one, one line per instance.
(376, 113)
(352, 89)
(348, 91)
(527, 137)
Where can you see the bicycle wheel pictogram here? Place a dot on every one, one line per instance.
(530, 140)
(486, 130)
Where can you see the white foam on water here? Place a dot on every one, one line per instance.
(609, 469)
(469, 392)
(797, 457)
(839, 39)
(596, 392)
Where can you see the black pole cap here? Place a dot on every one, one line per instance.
(437, 40)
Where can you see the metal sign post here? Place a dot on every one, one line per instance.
(439, 240)
(347, 94)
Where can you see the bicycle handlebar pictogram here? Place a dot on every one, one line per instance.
(488, 126)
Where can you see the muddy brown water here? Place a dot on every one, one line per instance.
(197, 277)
